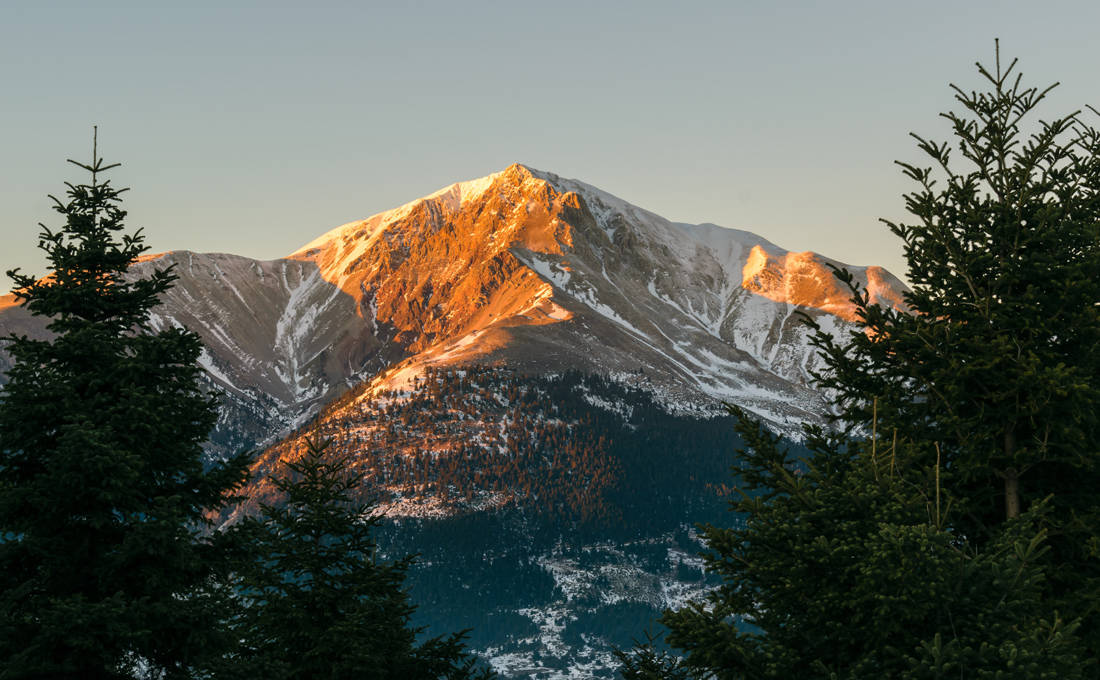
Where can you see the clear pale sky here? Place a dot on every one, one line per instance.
(252, 128)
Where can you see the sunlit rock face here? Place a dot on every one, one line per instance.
(445, 266)
(520, 268)
(808, 280)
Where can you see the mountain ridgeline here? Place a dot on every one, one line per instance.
(521, 268)
(529, 372)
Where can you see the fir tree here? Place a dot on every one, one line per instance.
(317, 601)
(103, 490)
(997, 358)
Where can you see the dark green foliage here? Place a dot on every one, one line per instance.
(474, 572)
(997, 359)
(103, 491)
(847, 567)
(646, 661)
(316, 599)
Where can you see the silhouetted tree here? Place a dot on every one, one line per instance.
(996, 358)
(848, 565)
(104, 493)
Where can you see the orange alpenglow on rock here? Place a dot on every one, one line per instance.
(805, 279)
(442, 267)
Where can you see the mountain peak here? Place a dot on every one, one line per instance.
(451, 197)
(468, 273)
(518, 172)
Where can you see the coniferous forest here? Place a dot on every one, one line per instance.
(943, 524)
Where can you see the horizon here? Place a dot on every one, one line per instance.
(252, 130)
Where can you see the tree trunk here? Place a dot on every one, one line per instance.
(1012, 478)
(1012, 493)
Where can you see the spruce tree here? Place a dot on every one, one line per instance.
(996, 360)
(317, 600)
(647, 661)
(104, 566)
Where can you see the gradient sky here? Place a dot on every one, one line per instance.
(252, 128)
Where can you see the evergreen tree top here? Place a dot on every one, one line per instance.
(88, 257)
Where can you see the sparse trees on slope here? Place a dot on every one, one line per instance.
(103, 490)
(316, 599)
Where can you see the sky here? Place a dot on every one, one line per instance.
(252, 128)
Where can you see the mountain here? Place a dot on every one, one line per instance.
(523, 268)
(526, 268)
(529, 369)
